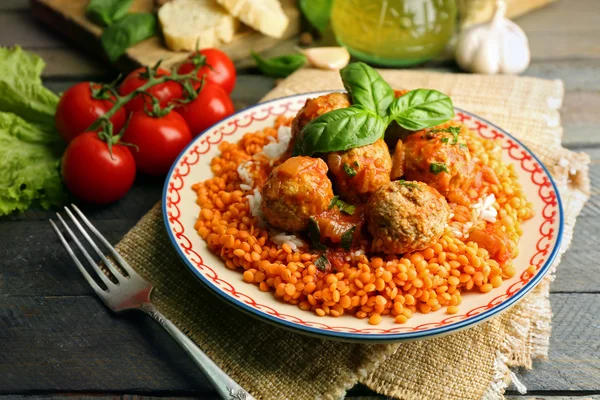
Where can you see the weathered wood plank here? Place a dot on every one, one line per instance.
(14, 5)
(77, 396)
(573, 362)
(577, 74)
(75, 344)
(563, 17)
(22, 28)
(69, 63)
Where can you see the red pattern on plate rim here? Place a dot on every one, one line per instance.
(528, 164)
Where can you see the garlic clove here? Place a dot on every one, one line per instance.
(327, 57)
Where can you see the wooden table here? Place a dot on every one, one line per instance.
(57, 340)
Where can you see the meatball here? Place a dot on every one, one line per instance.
(440, 158)
(296, 190)
(359, 172)
(406, 216)
(314, 108)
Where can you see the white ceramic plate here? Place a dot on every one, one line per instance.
(538, 246)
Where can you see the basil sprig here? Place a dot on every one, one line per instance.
(281, 66)
(421, 108)
(374, 108)
(105, 12)
(126, 32)
(367, 88)
(340, 130)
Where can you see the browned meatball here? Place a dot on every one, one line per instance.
(440, 158)
(359, 172)
(296, 190)
(405, 216)
(314, 108)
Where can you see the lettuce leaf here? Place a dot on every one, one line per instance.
(21, 87)
(29, 165)
(30, 147)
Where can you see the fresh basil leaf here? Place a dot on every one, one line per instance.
(338, 130)
(314, 234)
(438, 167)
(106, 12)
(367, 87)
(279, 67)
(322, 263)
(317, 12)
(348, 238)
(421, 108)
(127, 31)
(444, 140)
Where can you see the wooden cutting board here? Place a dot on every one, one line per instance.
(68, 18)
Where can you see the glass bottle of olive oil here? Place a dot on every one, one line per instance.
(394, 32)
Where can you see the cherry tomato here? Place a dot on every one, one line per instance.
(92, 174)
(159, 140)
(212, 105)
(165, 92)
(77, 110)
(218, 68)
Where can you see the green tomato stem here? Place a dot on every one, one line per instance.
(120, 101)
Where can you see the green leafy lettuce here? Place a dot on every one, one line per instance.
(30, 148)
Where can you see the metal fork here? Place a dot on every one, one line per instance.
(132, 292)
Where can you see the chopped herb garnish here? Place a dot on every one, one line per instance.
(454, 130)
(356, 164)
(333, 202)
(463, 146)
(314, 234)
(437, 167)
(322, 263)
(348, 238)
(349, 170)
(342, 205)
(409, 184)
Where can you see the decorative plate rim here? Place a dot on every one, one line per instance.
(371, 337)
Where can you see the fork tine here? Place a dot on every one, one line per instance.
(96, 268)
(108, 264)
(120, 261)
(99, 291)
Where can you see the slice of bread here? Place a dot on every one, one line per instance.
(265, 16)
(186, 23)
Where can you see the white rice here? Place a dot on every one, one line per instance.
(255, 201)
(245, 175)
(275, 149)
(483, 210)
(281, 238)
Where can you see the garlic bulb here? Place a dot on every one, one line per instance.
(498, 46)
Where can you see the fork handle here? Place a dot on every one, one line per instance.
(227, 388)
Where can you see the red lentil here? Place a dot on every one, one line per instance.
(371, 287)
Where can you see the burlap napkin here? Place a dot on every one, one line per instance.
(473, 364)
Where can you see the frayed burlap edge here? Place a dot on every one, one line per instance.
(528, 338)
